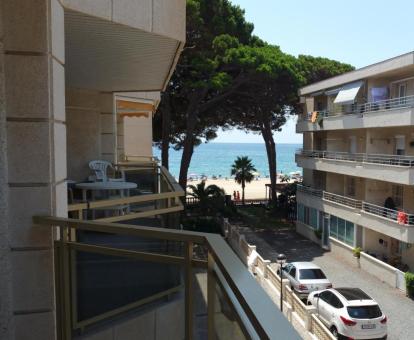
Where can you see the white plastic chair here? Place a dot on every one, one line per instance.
(101, 171)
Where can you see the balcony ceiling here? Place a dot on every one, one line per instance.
(107, 56)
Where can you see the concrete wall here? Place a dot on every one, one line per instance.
(379, 269)
(33, 104)
(307, 231)
(163, 17)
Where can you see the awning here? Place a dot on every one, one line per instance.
(348, 93)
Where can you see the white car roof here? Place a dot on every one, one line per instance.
(305, 265)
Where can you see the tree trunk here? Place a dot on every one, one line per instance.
(243, 186)
(188, 150)
(166, 131)
(271, 158)
(188, 147)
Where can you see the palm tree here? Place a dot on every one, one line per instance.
(243, 170)
(208, 197)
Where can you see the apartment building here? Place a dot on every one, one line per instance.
(358, 159)
(80, 81)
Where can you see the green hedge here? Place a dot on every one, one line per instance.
(409, 282)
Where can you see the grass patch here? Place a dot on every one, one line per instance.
(262, 218)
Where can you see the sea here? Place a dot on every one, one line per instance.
(215, 159)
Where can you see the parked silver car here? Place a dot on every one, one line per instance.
(305, 277)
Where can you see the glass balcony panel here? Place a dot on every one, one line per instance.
(105, 284)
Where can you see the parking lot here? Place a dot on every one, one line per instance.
(398, 308)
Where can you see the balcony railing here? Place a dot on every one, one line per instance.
(234, 297)
(160, 195)
(381, 105)
(397, 216)
(395, 160)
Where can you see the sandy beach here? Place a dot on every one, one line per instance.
(254, 190)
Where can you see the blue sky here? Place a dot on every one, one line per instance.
(356, 32)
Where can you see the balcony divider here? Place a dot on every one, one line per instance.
(255, 313)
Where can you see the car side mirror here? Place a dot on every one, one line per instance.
(316, 296)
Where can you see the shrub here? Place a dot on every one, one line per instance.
(204, 225)
(318, 233)
(409, 283)
(357, 252)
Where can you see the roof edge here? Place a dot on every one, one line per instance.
(383, 66)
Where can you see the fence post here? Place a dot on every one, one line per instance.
(266, 264)
(308, 321)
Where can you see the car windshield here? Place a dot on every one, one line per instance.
(364, 312)
(311, 274)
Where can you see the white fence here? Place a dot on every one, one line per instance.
(383, 271)
(302, 317)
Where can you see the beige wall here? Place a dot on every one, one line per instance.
(32, 90)
(335, 183)
(83, 131)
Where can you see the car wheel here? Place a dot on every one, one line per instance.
(334, 332)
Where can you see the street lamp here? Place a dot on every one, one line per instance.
(281, 259)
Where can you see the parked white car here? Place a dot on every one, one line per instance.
(305, 277)
(349, 313)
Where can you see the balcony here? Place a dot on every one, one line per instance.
(391, 168)
(157, 194)
(90, 296)
(394, 223)
(391, 113)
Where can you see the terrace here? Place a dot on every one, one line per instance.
(391, 112)
(394, 223)
(392, 168)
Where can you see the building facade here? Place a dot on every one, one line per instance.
(66, 68)
(358, 159)
(91, 250)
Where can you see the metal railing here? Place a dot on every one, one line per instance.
(377, 210)
(227, 279)
(394, 160)
(381, 105)
(162, 197)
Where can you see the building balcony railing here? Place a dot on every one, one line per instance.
(394, 160)
(157, 193)
(381, 105)
(397, 216)
(236, 303)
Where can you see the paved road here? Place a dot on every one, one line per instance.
(398, 308)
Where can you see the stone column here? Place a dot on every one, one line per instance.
(34, 92)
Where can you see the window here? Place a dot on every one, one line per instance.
(335, 302)
(349, 232)
(313, 218)
(292, 271)
(397, 195)
(334, 227)
(351, 186)
(325, 296)
(402, 93)
(301, 213)
(342, 230)
(364, 312)
(311, 274)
